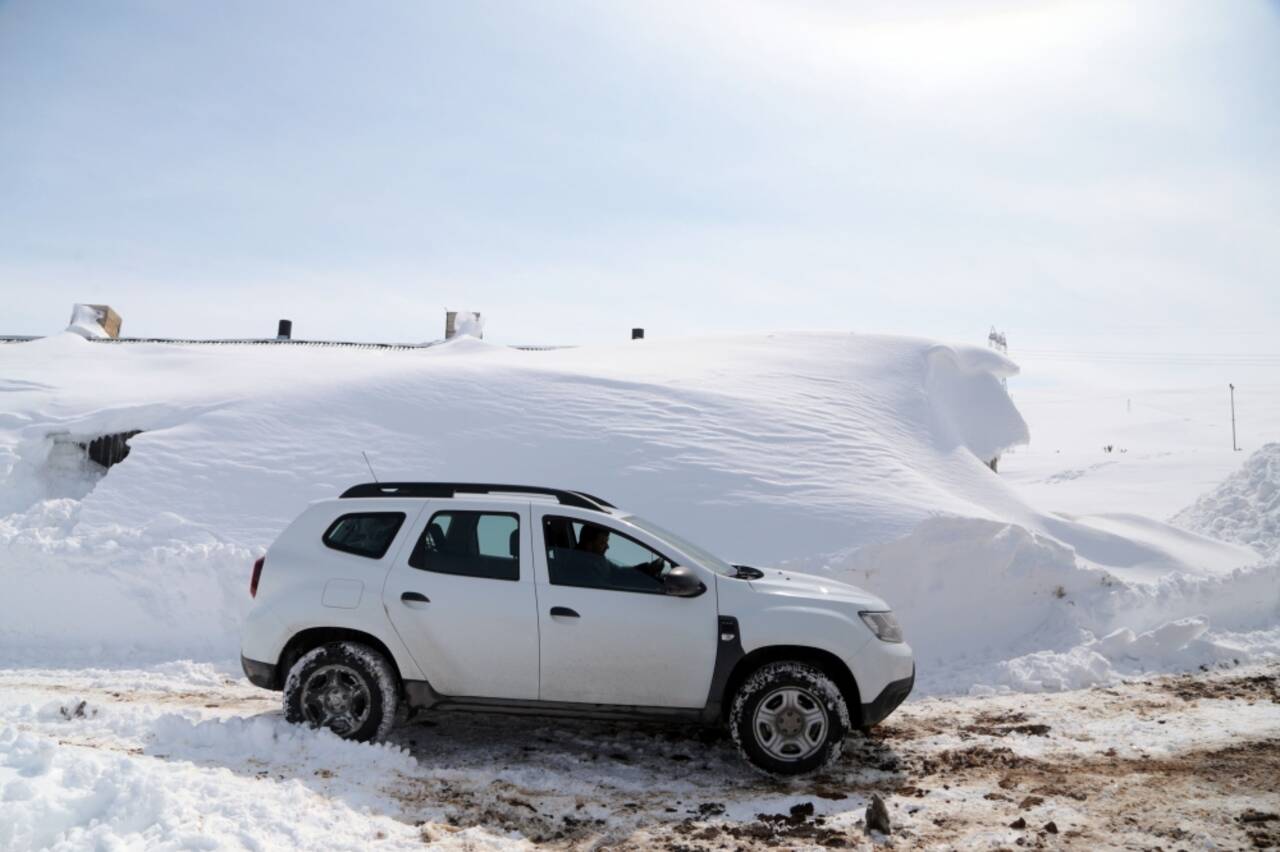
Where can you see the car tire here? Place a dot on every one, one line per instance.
(789, 718)
(346, 687)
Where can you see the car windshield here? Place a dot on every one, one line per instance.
(705, 557)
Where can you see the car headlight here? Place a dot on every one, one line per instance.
(884, 625)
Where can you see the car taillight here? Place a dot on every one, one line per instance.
(257, 575)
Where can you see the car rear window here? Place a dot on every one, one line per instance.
(470, 544)
(364, 533)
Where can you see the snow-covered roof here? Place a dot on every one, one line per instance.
(857, 455)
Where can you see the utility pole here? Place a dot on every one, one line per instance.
(1234, 448)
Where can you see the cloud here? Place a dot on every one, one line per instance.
(701, 166)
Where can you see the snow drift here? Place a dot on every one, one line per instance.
(1245, 508)
(996, 604)
(861, 455)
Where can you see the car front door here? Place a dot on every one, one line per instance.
(608, 632)
(462, 598)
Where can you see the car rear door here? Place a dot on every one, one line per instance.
(462, 598)
(619, 640)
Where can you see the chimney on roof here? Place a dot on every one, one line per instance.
(465, 322)
(95, 321)
(285, 330)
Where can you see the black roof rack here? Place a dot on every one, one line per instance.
(580, 499)
(593, 498)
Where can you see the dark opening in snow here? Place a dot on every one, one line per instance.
(108, 450)
(64, 465)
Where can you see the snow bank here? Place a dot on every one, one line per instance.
(238, 740)
(765, 447)
(975, 590)
(1179, 645)
(861, 455)
(1245, 508)
(59, 796)
(992, 604)
(69, 779)
(109, 593)
(971, 407)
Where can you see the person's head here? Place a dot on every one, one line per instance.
(593, 539)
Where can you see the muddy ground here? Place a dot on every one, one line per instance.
(1186, 762)
(1169, 763)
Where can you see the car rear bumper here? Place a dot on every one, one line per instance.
(259, 674)
(888, 700)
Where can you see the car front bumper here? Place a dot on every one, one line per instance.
(874, 712)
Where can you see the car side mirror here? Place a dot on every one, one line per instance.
(682, 583)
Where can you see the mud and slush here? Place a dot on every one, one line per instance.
(1173, 762)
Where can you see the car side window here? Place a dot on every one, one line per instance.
(470, 544)
(593, 556)
(366, 534)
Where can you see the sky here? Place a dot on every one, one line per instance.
(1103, 177)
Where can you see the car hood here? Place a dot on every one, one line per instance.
(814, 587)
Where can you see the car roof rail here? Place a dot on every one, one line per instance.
(578, 499)
(594, 499)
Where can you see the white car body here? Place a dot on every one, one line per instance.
(486, 643)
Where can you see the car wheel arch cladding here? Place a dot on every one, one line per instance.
(305, 641)
(750, 662)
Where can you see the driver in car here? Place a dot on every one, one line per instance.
(593, 541)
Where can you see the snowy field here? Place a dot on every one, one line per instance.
(1081, 575)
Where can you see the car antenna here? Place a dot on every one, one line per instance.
(366, 461)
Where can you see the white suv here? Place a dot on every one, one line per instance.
(504, 598)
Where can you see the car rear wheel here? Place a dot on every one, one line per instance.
(789, 718)
(346, 687)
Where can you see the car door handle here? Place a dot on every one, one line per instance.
(413, 599)
(563, 612)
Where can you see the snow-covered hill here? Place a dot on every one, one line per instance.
(860, 455)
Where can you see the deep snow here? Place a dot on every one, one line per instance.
(1245, 508)
(858, 455)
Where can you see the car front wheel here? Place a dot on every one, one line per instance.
(789, 718)
(346, 687)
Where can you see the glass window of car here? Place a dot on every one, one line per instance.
(706, 557)
(366, 534)
(587, 555)
(470, 544)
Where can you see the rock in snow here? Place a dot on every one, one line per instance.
(878, 815)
